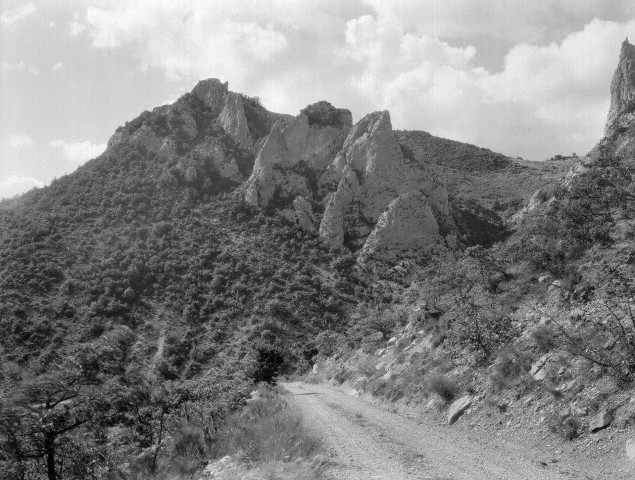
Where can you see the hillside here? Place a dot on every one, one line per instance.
(533, 339)
(491, 179)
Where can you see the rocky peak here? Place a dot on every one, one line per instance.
(324, 114)
(213, 93)
(622, 86)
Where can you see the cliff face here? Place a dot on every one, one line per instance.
(622, 89)
(620, 123)
(294, 153)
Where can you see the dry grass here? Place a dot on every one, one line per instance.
(267, 430)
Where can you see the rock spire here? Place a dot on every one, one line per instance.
(622, 87)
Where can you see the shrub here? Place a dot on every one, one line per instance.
(545, 338)
(567, 427)
(341, 375)
(483, 332)
(378, 387)
(446, 388)
(367, 367)
(187, 449)
(508, 367)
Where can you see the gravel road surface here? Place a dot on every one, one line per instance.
(368, 442)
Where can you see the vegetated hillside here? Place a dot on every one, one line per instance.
(138, 290)
(479, 175)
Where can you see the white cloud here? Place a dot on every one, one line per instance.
(415, 59)
(548, 99)
(57, 66)
(76, 28)
(78, 152)
(14, 185)
(17, 14)
(8, 67)
(187, 38)
(19, 141)
(507, 20)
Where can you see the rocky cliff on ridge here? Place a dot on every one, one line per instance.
(317, 169)
(354, 173)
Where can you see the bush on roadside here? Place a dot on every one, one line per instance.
(446, 388)
(341, 375)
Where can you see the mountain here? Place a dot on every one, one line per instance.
(218, 176)
(217, 243)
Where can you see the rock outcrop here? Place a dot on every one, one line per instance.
(622, 89)
(371, 172)
(228, 107)
(293, 155)
(619, 130)
(408, 225)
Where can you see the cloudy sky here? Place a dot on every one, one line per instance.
(525, 78)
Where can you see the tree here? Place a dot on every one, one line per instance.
(383, 320)
(37, 412)
(605, 334)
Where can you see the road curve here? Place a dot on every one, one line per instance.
(367, 442)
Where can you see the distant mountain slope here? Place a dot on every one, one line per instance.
(473, 173)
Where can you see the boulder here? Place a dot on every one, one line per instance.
(225, 467)
(538, 368)
(408, 224)
(600, 421)
(458, 408)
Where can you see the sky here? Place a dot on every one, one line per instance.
(524, 78)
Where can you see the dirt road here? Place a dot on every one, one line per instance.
(368, 442)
